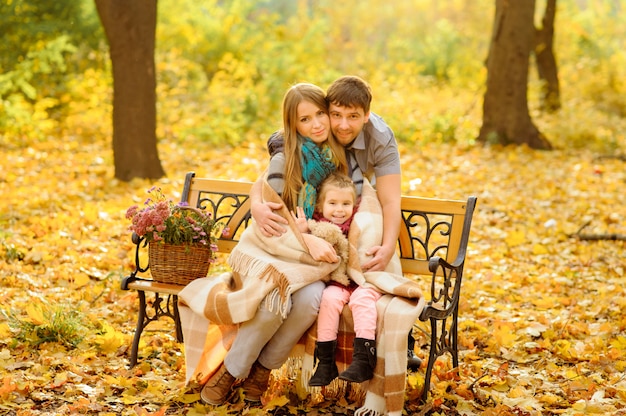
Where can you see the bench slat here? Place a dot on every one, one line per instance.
(152, 286)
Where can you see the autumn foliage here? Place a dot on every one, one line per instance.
(542, 322)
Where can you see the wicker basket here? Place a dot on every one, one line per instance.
(178, 264)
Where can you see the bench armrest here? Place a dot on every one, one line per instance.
(445, 287)
(140, 242)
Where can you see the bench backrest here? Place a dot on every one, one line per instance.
(228, 202)
(430, 227)
(433, 228)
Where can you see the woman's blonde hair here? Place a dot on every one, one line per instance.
(293, 170)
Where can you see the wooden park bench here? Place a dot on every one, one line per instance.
(432, 242)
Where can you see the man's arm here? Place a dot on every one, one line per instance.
(388, 189)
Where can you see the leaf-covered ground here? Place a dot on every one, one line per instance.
(542, 321)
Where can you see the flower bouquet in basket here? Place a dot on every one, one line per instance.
(182, 240)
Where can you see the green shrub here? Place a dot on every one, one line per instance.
(48, 323)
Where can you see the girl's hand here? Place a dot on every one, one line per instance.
(320, 249)
(300, 219)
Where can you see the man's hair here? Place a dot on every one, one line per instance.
(350, 91)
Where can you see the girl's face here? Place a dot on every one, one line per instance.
(312, 122)
(338, 204)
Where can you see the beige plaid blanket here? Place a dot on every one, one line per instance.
(210, 308)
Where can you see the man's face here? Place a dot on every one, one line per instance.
(347, 122)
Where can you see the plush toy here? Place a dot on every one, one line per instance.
(332, 233)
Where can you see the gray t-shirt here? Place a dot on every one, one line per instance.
(376, 149)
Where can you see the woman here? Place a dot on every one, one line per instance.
(264, 342)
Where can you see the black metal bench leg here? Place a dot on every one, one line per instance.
(179, 329)
(454, 337)
(432, 357)
(141, 316)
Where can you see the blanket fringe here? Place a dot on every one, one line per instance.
(246, 265)
(357, 392)
(276, 302)
(296, 371)
(367, 412)
(292, 369)
(336, 389)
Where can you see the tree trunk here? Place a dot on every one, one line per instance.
(546, 62)
(130, 27)
(506, 119)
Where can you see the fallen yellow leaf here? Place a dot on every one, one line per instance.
(35, 313)
(540, 249)
(110, 340)
(515, 238)
(5, 331)
(79, 280)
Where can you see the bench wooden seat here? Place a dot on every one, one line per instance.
(432, 242)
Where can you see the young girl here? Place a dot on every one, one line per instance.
(335, 209)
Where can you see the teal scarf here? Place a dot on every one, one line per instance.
(317, 163)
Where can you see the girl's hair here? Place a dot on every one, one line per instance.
(350, 91)
(339, 181)
(293, 170)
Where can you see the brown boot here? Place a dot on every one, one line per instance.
(255, 385)
(219, 386)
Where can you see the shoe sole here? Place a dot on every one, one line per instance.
(252, 400)
(211, 402)
(321, 384)
(354, 379)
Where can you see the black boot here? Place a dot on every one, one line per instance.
(413, 362)
(326, 367)
(363, 361)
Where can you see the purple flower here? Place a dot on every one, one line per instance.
(162, 220)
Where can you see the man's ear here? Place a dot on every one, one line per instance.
(367, 117)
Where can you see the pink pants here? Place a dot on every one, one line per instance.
(362, 303)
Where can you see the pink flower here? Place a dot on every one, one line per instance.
(161, 220)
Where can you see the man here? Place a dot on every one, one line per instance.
(374, 146)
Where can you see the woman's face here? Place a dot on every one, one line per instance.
(312, 122)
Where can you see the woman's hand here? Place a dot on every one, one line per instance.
(267, 220)
(320, 249)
